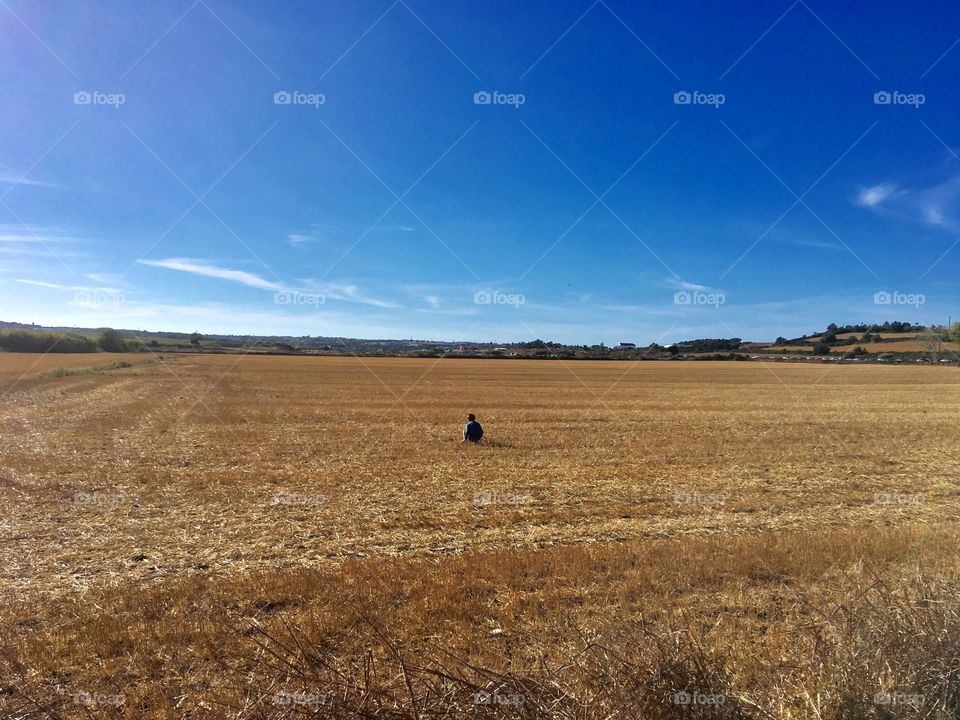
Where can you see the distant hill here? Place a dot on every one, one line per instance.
(892, 341)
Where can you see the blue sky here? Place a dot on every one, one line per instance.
(487, 171)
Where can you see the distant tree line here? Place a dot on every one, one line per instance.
(709, 345)
(36, 341)
(895, 326)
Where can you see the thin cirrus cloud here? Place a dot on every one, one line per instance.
(933, 206)
(876, 194)
(811, 242)
(71, 288)
(333, 291)
(31, 244)
(681, 284)
(297, 239)
(311, 233)
(212, 271)
(21, 233)
(13, 179)
(321, 232)
(349, 292)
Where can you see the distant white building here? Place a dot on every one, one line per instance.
(627, 346)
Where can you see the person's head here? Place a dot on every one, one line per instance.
(471, 417)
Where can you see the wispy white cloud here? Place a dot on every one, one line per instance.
(104, 278)
(23, 238)
(344, 291)
(350, 292)
(313, 232)
(876, 194)
(8, 177)
(71, 288)
(810, 242)
(933, 215)
(936, 206)
(681, 284)
(10, 234)
(41, 243)
(939, 204)
(40, 283)
(212, 271)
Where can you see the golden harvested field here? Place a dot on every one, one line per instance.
(16, 368)
(208, 535)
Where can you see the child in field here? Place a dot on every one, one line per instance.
(472, 432)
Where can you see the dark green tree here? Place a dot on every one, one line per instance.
(111, 341)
